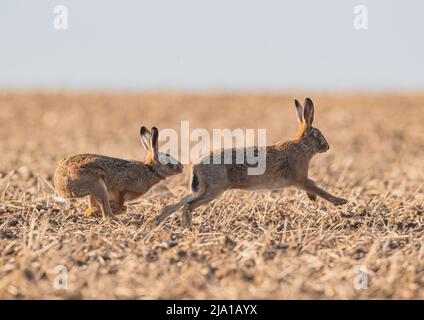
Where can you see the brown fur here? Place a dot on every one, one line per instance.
(287, 164)
(109, 182)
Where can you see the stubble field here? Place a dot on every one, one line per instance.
(264, 245)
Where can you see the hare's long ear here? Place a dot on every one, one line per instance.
(154, 141)
(145, 137)
(299, 110)
(308, 113)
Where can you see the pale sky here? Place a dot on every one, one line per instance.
(212, 45)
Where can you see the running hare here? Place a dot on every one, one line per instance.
(109, 182)
(287, 164)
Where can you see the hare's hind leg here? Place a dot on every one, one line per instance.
(167, 211)
(93, 207)
(187, 216)
(99, 192)
(117, 204)
(208, 196)
(197, 186)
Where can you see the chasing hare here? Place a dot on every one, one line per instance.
(109, 182)
(287, 164)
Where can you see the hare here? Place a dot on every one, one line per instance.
(109, 182)
(287, 164)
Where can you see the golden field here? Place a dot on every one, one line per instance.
(263, 245)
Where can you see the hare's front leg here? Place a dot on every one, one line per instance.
(99, 192)
(93, 207)
(311, 188)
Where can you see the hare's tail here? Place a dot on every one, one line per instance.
(197, 186)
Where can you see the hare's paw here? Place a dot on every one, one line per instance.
(187, 222)
(119, 210)
(110, 218)
(311, 196)
(339, 201)
(91, 212)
